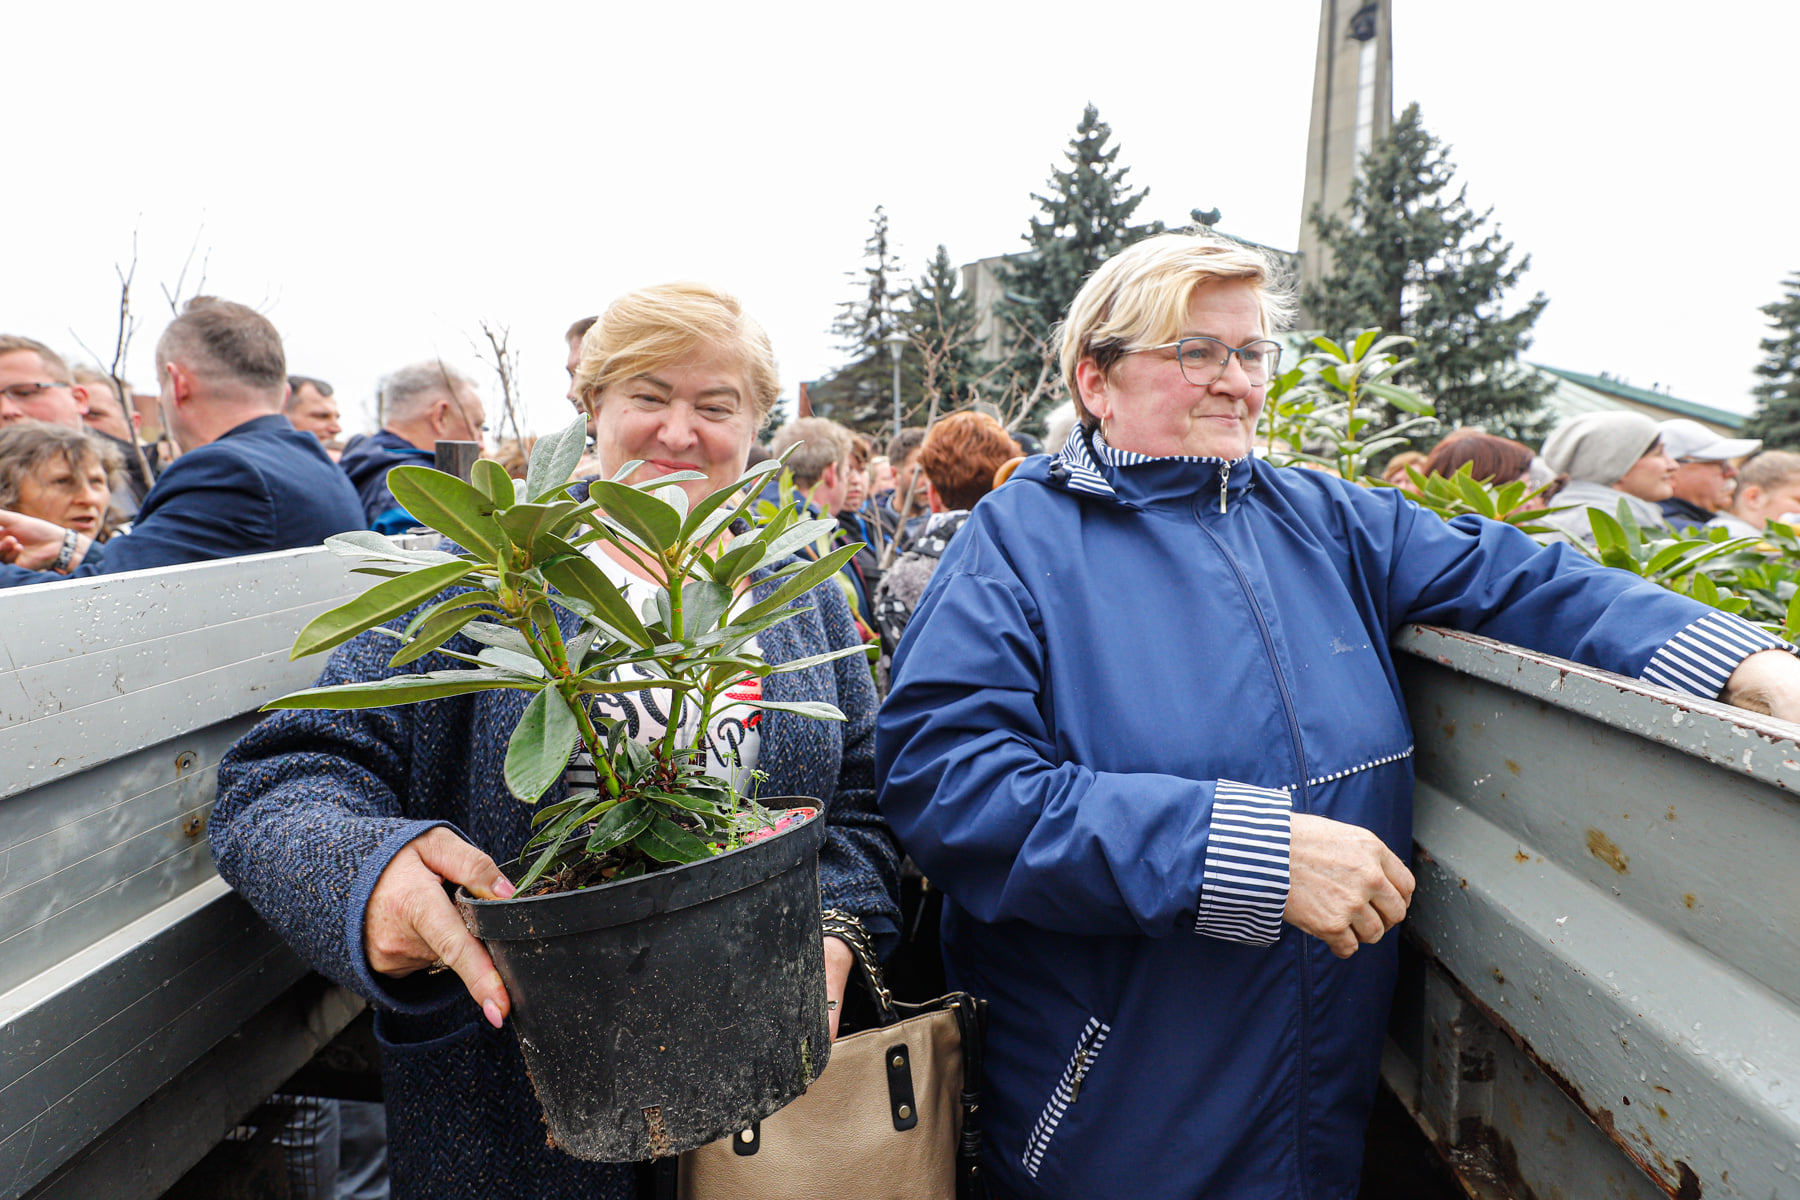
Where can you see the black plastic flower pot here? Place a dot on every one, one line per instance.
(661, 1013)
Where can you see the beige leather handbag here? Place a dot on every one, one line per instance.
(892, 1116)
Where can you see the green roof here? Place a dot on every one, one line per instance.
(1649, 399)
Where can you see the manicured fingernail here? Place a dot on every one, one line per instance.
(492, 1010)
(504, 889)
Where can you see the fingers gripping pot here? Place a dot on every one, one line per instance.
(661, 1013)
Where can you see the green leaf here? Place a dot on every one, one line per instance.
(579, 576)
(1330, 347)
(1473, 493)
(553, 459)
(1608, 533)
(620, 825)
(526, 524)
(800, 536)
(445, 621)
(448, 505)
(650, 520)
(1404, 399)
(703, 602)
(801, 582)
(491, 480)
(811, 660)
(1790, 628)
(506, 638)
(549, 812)
(818, 710)
(523, 664)
(1634, 537)
(737, 562)
(540, 746)
(403, 689)
(1704, 590)
(1364, 340)
(613, 687)
(379, 604)
(668, 842)
(369, 544)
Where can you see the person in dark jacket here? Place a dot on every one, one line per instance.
(341, 828)
(959, 458)
(1146, 736)
(1706, 471)
(246, 482)
(421, 405)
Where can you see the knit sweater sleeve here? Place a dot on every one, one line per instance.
(312, 806)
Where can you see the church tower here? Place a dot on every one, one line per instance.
(1353, 104)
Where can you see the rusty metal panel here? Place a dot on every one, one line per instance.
(1605, 873)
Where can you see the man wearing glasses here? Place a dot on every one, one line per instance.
(35, 385)
(1705, 472)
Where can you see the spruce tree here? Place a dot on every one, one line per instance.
(1777, 419)
(1411, 256)
(939, 322)
(860, 393)
(1084, 218)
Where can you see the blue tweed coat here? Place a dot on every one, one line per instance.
(313, 805)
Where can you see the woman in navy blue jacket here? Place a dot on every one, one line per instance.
(342, 828)
(1146, 734)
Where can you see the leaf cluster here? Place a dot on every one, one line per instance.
(1332, 408)
(522, 572)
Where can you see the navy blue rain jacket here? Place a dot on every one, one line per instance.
(367, 459)
(1123, 676)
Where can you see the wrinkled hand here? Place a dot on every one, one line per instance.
(37, 542)
(411, 923)
(1345, 887)
(1767, 682)
(838, 964)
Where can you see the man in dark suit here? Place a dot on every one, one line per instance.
(246, 482)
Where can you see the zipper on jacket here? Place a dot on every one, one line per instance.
(1304, 805)
(1084, 1058)
(1224, 478)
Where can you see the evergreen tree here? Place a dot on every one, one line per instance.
(1411, 256)
(1084, 220)
(940, 322)
(860, 394)
(1777, 419)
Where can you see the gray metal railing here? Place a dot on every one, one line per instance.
(144, 1009)
(1609, 913)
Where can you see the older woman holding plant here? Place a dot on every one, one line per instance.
(343, 828)
(61, 475)
(1146, 734)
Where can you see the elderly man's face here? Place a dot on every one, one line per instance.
(23, 396)
(314, 413)
(1706, 482)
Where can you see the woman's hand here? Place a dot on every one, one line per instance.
(838, 964)
(411, 923)
(1767, 682)
(1345, 887)
(34, 543)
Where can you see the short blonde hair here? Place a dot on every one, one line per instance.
(660, 325)
(1140, 298)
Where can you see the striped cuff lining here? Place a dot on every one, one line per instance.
(1245, 888)
(1700, 658)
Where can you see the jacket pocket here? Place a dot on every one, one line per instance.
(1067, 1092)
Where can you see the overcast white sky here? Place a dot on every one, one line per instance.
(380, 177)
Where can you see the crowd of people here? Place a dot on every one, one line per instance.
(1167, 865)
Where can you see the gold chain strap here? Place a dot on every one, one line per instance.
(851, 931)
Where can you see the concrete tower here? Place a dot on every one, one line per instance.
(1353, 104)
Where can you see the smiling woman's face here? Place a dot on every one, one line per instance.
(1146, 405)
(66, 495)
(692, 415)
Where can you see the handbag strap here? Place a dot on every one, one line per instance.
(853, 933)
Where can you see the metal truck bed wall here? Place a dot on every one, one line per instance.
(1606, 1002)
(1602, 999)
(144, 1009)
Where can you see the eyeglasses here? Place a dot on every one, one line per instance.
(25, 391)
(1204, 359)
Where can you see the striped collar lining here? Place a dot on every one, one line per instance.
(1084, 462)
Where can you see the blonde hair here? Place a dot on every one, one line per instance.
(1141, 297)
(660, 325)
